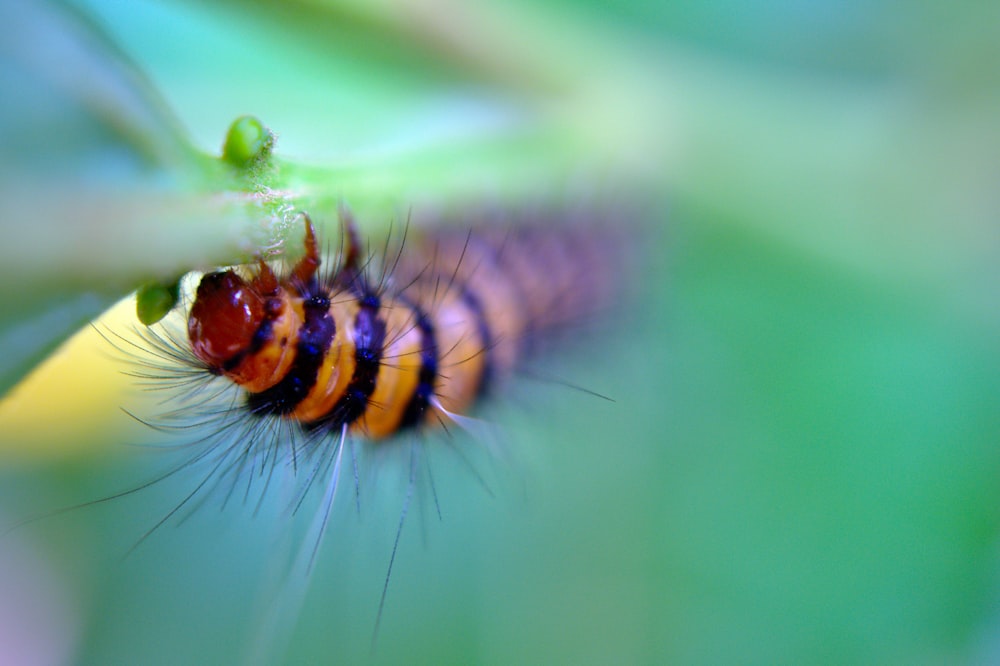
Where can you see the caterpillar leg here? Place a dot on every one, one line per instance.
(306, 268)
(350, 265)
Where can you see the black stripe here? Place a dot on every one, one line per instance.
(369, 338)
(315, 336)
(413, 414)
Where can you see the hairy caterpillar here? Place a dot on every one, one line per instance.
(416, 347)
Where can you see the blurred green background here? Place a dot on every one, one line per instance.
(801, 464)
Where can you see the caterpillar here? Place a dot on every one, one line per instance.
(417, 347)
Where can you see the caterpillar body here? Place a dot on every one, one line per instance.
(449, 320)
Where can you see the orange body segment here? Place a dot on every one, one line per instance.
(462, 353)
(264, 368)
(398, 376)
(335, 372)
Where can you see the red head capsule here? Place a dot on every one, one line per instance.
(226, 314)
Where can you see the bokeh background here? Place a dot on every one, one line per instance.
(801, 462)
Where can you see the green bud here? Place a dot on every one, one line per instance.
(247, 141)
(154, 300)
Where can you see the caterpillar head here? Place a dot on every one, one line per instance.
(226, 314)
